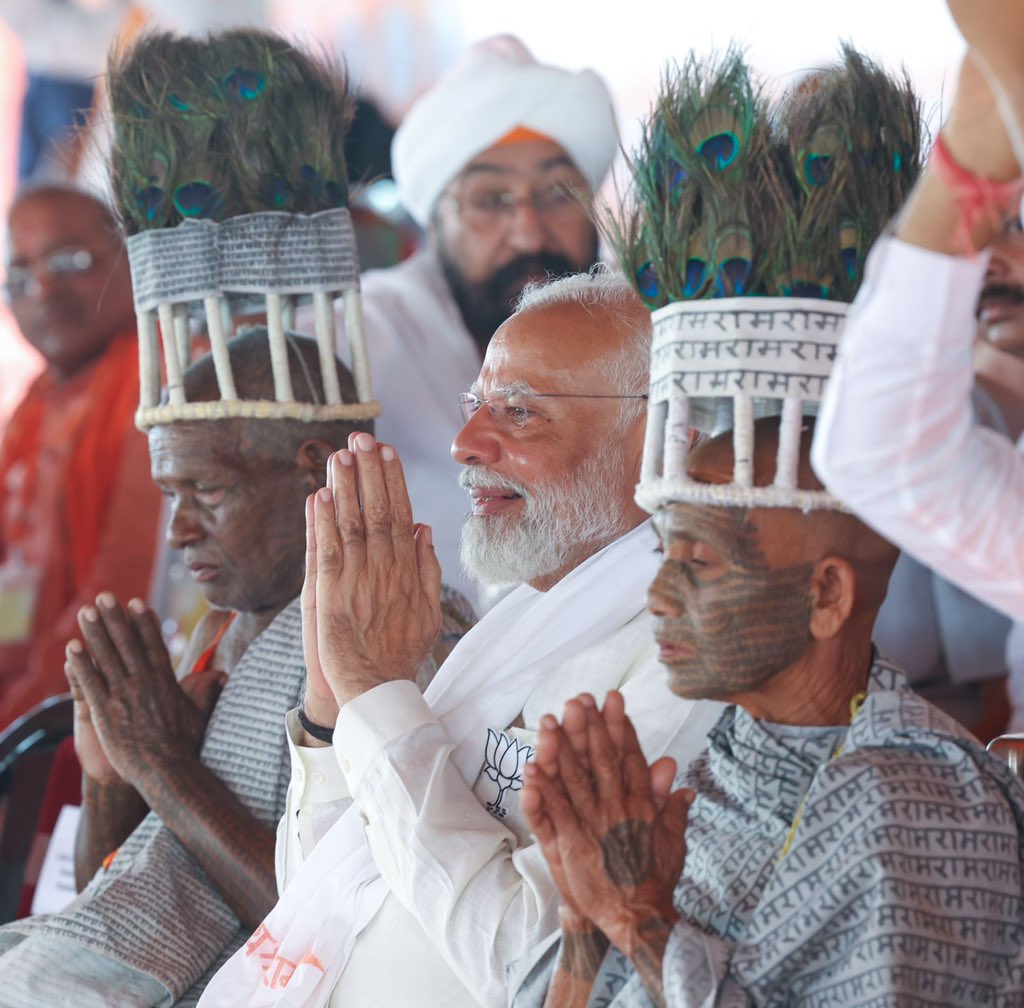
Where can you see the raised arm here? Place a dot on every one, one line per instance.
(896, 439)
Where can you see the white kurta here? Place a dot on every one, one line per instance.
(469, 893)
(896, 439)
(421, 358)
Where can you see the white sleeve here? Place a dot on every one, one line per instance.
(317, 796)
(897, 440)
(483, 901)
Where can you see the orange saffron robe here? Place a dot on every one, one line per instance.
(79, 514)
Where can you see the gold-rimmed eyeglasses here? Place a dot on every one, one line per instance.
(514, 410)
(485, 207)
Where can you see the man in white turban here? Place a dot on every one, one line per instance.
(497, 163)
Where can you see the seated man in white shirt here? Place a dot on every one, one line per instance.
(896, 440)
(551, 449)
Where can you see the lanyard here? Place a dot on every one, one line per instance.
(856, 701)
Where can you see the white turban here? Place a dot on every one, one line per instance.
(496, 87)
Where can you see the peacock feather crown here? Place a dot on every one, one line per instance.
(228, 172)
(745, 231)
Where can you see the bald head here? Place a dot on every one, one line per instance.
(249, 354)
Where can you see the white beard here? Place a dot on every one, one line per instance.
(555, 524)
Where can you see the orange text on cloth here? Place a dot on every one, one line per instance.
(277, 970)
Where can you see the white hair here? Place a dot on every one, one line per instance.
(556, 521)
(608, 289)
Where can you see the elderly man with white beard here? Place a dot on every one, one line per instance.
(573, 509)
(412, 877)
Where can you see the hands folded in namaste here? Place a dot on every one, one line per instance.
(371, 604)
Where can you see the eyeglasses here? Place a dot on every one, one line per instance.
(1013, 230)
(63, 263)
(488, 207)
(513, 412)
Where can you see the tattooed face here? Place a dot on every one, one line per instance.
(728, 620)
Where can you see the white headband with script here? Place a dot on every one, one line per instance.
(270, 259)
(753, 352)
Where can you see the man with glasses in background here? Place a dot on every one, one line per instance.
(78, 511)
(498, 163)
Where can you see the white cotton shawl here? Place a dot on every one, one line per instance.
(307, 938)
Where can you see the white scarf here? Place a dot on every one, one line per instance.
(297, 954)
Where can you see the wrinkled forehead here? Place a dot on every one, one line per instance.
(191, 450)
(551, 348)
(750, 537)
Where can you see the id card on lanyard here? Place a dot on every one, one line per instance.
(19, 593)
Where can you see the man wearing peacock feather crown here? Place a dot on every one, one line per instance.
(183, 783)
(840, 842)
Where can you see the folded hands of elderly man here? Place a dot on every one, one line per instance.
(371, 598)
(613, 833)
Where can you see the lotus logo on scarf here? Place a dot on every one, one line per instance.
(503, 763)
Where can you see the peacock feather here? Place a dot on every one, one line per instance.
(730, 196)
(852, 136)
(238, 122)
(694, 222)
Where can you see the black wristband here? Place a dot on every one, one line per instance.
(319, 732)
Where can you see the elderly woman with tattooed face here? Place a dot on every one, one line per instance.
(839, 843)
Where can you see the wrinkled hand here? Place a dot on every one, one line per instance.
(88, 748)
(126, 696)
(610, 827)
(376, 605)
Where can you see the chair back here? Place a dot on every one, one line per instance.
(27, 748)
(1009, 749)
